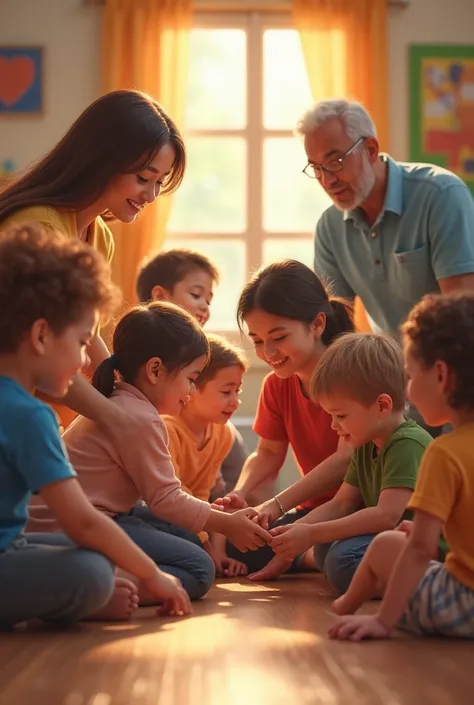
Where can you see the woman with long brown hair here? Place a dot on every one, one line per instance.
(118, 156)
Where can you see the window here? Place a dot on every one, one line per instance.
(244, 200)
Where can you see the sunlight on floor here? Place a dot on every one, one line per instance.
(245, 587)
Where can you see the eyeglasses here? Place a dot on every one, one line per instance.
(315, 171)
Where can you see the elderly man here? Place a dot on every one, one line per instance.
(396, 230)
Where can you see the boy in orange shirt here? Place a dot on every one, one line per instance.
(200, 438)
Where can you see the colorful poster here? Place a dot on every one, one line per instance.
(442, 107)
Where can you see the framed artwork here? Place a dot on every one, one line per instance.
(442, 107)
(21, 80)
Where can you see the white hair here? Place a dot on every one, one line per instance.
(355, 117)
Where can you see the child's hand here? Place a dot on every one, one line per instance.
(268, 513)
(169, 589)
(355, 627)
(231, 502)
(244, 533)
(229, 567)
(272, 570)
(289, 541)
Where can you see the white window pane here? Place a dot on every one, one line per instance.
(301, 249)
(286, 91)
(291, 201)
(217, 80)
(230, 258)
(212, 198)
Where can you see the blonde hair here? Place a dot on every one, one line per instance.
(361, 366)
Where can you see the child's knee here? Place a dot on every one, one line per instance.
(95, 581)
(387, 541)
(205, 575)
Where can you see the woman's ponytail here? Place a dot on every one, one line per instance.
(340, 320)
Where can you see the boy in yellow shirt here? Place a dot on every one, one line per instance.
(422, 595)
(200, 438)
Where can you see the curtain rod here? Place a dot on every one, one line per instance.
(246, 5)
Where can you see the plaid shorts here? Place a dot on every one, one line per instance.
(440, 605)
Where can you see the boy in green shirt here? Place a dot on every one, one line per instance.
(360, 381)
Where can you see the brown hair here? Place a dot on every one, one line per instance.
(361, 366)
(290, 289)
(441, 327)
(44, 275)
(168, 268)
(222, 354)
(119, 133)
(157, 329)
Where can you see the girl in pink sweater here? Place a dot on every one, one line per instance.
(159, 351)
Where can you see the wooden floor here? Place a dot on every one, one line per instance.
(245, 645)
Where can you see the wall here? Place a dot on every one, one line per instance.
(424, 22)
(70, 34)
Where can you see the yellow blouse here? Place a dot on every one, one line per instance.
(100, 237)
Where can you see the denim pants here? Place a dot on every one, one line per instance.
(48, 577)
(174, 549)
(339, 560)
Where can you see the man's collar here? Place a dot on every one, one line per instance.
(394, 195)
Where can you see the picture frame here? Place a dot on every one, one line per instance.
(21, 80)
(442, 107)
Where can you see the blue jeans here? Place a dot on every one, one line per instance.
(48, 577)
(339, 560)
(174, 554)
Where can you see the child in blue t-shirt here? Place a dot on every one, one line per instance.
(52, 291)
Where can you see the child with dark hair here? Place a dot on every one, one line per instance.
(159, 352)
(360, 382)
(187, 278)
(52, 293)
(423, 595)
(184, 277)
(200, 437)
(291, 320)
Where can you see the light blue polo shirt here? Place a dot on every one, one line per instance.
(424, 233)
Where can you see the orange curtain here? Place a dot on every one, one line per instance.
(145, 47)
(345, 48)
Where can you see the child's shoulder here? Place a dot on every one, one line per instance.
(16, 403)
(129, 397)
(411, 432)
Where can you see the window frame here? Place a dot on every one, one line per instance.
(254, 23)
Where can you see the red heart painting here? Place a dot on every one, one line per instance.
(17, 75)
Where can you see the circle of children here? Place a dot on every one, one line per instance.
(116, 513)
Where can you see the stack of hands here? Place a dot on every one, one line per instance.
(286, 541)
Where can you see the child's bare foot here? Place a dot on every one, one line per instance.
(342, 605)
(121, 605)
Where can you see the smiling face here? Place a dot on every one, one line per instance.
(219, 399)
(60, 357)
(351, 186)
(194, 293)
(127, 194)
(286, 345)
(169, 392)
(356, 423)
